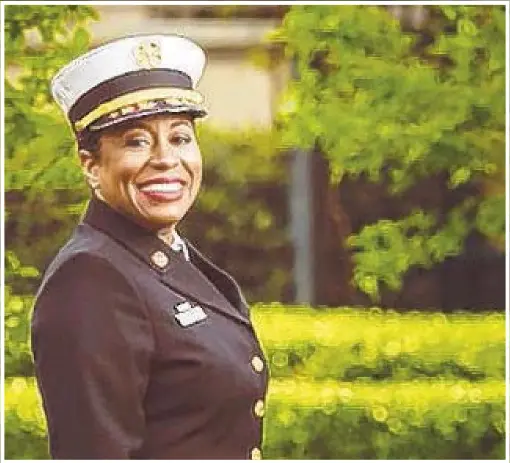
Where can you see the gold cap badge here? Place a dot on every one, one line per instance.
(160, 259)
(148, 54)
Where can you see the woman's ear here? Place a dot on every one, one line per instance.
(90, 168)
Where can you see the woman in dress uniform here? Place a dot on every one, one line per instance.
(143, 348)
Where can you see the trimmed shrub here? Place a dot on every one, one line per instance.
(346, 384)
(349, 344)
(25, 425)
(409, 420)
(333, 420)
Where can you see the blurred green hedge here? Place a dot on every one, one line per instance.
(330, 420)
(408, 420)
(25, 426)
(373, 344)
(312, 412)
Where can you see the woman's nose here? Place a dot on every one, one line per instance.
(166, 155)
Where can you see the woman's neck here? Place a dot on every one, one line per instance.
(167, 235)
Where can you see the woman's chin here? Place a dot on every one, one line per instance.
(161, 212)
(157, 217)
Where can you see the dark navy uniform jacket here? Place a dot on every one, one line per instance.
(141, 354)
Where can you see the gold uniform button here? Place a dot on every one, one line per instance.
(257, 364)
(256, 454)
(258, 409)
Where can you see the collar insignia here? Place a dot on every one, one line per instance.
(160, 259)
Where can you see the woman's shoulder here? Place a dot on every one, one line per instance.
(88, 254)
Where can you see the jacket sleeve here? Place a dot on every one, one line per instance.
(92, 342)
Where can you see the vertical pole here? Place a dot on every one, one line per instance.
(301, 205)
(301, 201)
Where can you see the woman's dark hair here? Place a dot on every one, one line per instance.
(88, 140)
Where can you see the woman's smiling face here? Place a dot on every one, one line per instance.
(149, 169)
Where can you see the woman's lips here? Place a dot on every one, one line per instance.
(162, 190)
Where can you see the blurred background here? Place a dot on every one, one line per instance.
(354, 185)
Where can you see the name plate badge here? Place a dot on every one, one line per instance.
(187, 314)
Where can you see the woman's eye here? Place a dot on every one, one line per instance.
(137, 142)
(180, 139)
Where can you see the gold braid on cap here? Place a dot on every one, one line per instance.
(134, 101)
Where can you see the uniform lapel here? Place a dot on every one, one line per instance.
(200, 281)
(186, 278)
(220, 279)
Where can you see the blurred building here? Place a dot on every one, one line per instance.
(238, 92)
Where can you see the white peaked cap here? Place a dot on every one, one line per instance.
(128, 71)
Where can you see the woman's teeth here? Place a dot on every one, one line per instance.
(162, 187)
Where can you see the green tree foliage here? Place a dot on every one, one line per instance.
(38, 41)
(399, 107)
(40, 159)
(243, 203)
(18, 358)
(39, 153)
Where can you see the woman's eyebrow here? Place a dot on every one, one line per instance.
(129, 126)
(145, 126)
(181, 122)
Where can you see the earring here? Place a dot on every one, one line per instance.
(96, 189)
